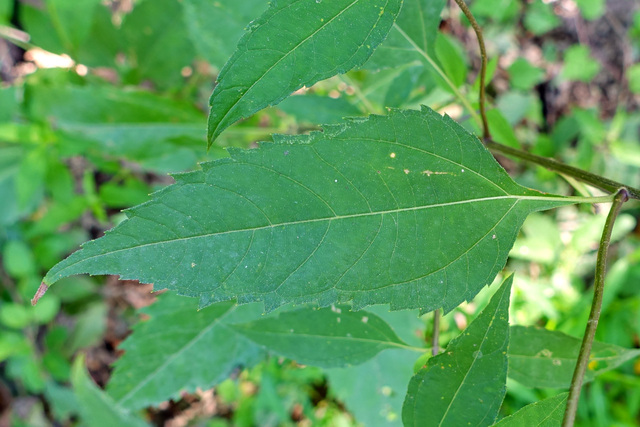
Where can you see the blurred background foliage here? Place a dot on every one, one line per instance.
(101, 99)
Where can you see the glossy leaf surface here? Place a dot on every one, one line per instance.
(465, 385)
(330, 217)
(543, 358)
(326, 337)
(179, 348)
(545, 413)
(296, 43)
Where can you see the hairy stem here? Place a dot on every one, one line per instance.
(483, 67)
(435, 337)
(556, 166)
(587, 342)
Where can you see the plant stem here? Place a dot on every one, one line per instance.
(587, 342)
(483, 67)
(435, 337)
(556, 166)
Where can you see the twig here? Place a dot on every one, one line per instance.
(483, 67)
(556, 166)
(596, 307)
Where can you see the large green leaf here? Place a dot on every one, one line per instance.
(546, 413)
(373, 392)
(180, 349)
(329, 217)
(296, 43)
(98, 409)
(465, 385)
(326, 337)
(543, 358)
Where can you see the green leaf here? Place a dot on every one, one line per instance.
(373, 392)
(546, 359)
(579, 65)
(591, 9)
(318, 109)
(523, 75)
(465, 385)
(413, 35)
(294, 44)
(539, 17)
(329, 217)
(501, 130)
(98, 409)
(61, 25)
(216, 44)
(155, 42)
(326, 337)
(134, 124)
(180, 349)
(545, 413)
(452, 57)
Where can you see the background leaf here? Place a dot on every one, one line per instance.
(326, 337)
(465, 385)
(415, 29)
(310, 218)
(180, 348)
(215, 27)
(307, 50)
(543, 358)
(373, 391)
(98, 409)
(545, 413)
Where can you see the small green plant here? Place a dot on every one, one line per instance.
(289, 247)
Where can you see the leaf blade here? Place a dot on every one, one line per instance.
(465, 385)
(308, 219)
(545, 413)
(326, 337)
(97, 408)
(258, 75)
(544, 358)
(180, 349)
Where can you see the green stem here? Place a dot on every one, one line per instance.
(587, 342)
(483, 67)
(435, 349)
(442, 74)
(556, 166)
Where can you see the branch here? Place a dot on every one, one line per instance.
(597, 181)
(483, 67)
(596, 307)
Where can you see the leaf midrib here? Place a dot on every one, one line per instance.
(475, 359)
(340, 338)
(307, 221)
